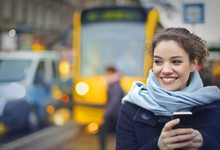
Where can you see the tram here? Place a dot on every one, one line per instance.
(108, 36)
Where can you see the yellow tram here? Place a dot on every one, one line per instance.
(108, 36)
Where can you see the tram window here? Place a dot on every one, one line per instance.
(125, 50)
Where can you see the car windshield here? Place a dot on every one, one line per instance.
(116, 43)
(13, 70)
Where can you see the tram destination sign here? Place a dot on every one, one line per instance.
(113, 14)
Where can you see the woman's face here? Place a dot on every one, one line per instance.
(171, 65)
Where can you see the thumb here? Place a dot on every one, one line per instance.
(169, 125)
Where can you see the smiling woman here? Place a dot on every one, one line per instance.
(173, 85)
(172, 66)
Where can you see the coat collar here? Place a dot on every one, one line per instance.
(146, 117)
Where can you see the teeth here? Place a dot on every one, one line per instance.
(168, 79)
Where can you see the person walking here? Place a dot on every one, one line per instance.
(114, 97)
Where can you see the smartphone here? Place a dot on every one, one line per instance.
(185, 119)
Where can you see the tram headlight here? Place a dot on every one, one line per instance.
(92, 128)
(82, 88)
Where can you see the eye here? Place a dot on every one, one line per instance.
(177, 61)
(157, 61)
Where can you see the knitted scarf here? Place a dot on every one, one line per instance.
(162, 102)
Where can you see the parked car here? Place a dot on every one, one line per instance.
(29, 88)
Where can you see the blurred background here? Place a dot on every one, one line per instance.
(53, 55)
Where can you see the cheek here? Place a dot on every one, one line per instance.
(184, 69)
(185, 77)
(156, 71)
(156, 68)
(188, 69)
(185, 73)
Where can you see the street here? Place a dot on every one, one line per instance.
(67, 137)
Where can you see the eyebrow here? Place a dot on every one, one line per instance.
(174, 57)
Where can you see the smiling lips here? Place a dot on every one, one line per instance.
(168, 80)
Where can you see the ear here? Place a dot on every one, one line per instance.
(194, 64)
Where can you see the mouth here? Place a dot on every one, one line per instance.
(168, 80)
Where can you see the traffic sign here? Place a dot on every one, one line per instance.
(194, 13)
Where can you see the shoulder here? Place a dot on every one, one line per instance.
(217, 103)
(129, 109)
(206, 115)
(141, 115)
(217, 106)
(126, 115)
(212, 106)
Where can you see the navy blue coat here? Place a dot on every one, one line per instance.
(139, 129)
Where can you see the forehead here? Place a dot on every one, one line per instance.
(171, 48)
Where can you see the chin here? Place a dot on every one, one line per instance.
(169, 88)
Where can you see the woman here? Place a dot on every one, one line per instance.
(174, 84)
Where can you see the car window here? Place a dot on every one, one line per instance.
(13, 70)
(40, 73)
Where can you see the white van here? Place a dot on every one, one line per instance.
(26, 79)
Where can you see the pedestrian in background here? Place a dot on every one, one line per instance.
(114, 97)
(174, 84)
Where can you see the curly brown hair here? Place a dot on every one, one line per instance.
(191, 43)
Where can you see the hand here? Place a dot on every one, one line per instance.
(197, 141)
(178, 138)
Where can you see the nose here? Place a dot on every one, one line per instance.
(167, 68)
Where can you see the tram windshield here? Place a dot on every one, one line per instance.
(112, 43)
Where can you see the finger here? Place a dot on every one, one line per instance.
(198, 138)
(169, 125)
(195, 145)
(182, 131)
(180, 145)
(179, 138)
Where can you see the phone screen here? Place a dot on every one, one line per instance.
(185, 119)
